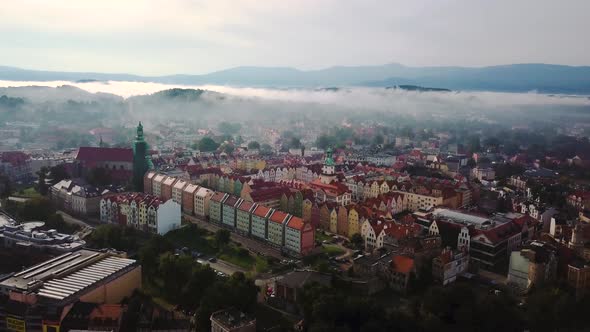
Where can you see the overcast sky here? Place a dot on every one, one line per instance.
(195, 37)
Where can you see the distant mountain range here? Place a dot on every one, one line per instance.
(510, 78)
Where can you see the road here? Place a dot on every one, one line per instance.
(73, 220)
(251, 244)
(222, 266)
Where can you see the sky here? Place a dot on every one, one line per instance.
(159, 37)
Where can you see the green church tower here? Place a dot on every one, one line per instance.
(141, 160)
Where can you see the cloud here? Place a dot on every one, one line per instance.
(344, 100)
(199, 36)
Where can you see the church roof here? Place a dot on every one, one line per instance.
(94, 154)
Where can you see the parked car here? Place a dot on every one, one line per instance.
(212, 260)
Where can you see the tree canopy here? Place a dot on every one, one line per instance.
(207, 144)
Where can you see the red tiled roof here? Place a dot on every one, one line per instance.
(231, 201)
(93, 154)
(261, 211)
(296, 223)
(245, 206)
(278, 216)
(218, 197)
(264, 194)
(402, 264)
(14, 157)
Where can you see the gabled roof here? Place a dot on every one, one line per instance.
(231, 201)
(191, 188)
(218, 197)
(296, 223)
(279, 217)
(261, 211)
(94, 154)
(180, 184)
(202, 192)
(246, 206)
(169, 181)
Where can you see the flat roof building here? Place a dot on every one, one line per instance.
(53, 286)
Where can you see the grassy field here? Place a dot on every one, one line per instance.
(332, 250)
(28, 193)
(237, 256)
(321, 236)
(203, 241)
(193, 238)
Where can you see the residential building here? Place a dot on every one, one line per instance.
(449, 265)
(400, 271)
(276, 227)
(142, 211)
(534, 265)
(231, 320)
(216, 207)
(485, 173)
(244, 217)
(147, 182)
(157, 182)
(299, 236)
(202, 201)
(260, 217)
(16, 165)
(229, 211)
(166, 188)
(188, 198)
(578, 276)
(177, 191)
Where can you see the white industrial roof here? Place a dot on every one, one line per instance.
(62, 288)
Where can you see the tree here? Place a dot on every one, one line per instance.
(58, 173)
(5, 186)
(357, 240)
(41, 181)
(266, 149)
(228, 148)
(222, 238)
(57, 222)
(207, 144)
(37, 208)
(253, 145)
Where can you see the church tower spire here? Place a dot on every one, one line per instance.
(329, 168)
(141, 159)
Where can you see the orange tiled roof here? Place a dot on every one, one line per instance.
(402, 264)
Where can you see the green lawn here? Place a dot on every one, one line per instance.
(262, 264)
(28, 193)
(203, 241)
(237, 256)
(332, 250)
(193, 238)
(320, 236)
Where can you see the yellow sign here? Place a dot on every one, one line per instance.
(13, 324)
(50, 328)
